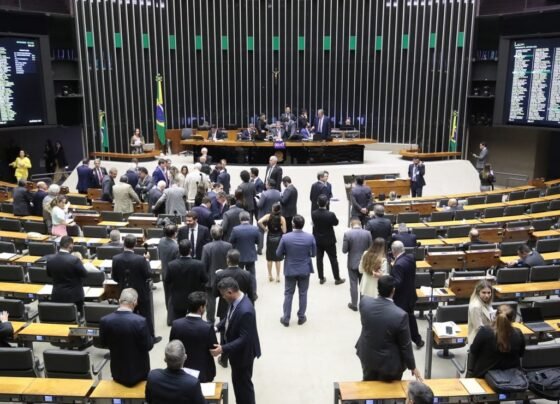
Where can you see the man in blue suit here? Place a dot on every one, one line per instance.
(173, 385)
(407, 238)
(245, 239)
(416, 172)
(84, 177)
(322, 125)
(128, 337)
(297, 247)
(159, 173)
(241, 339)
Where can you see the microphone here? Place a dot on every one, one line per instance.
(146, 247)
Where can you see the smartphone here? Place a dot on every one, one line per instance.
(443, 290)
(449, 330)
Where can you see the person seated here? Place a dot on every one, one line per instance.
(6, 330)
(453, 205)
(262, 128)
(216, 134)
(481, 312)
(347, 124)
(248, 133)
(115, 238)
(499, 346)
(473, 240)
(419, 393)
(393, 198)
(527, 258)
(136, 142)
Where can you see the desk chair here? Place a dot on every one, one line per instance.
(408, 217)
(510, 247)
(423, 279)
(35, 227)
(12, 273)
(478, 247)
(38, 275)
(549, 308)
(153, 250)
(458, 231)
(443, 202)
(545, 273)
(94, 279)
(10, 225)
(392, 217)
(554, 205)
(487, 226)
(493, 212)
(516, 196)
(82, 249)
(494, 198)
(467, 274)
(95, 231)
(548, 245)
(154, 233)
(17, 309)
(18, 362)
(41, 248)
(425, 232)
(532, 193)
(513, 304)
(58, 313)
(441, 216)
(93, 313)
(65, 364)
(7, 208)
(476, 200)
(538, 357)
(465, 214)
(7, 247)
(512, 275)
(112, 216)
(543, 224)
(538, 207)
(458, 313)
(518, 223)
(142, 214)
(552, 191)
(177, 219)
(77, 200)
(514, 210)
(419, 253)
(133, 230)
(107, 252)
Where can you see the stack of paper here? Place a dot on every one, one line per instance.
(428, 291)
(46, 290)
(442, 329)
(208, 389)
(153, 241)
(472, 386)
(6, 256)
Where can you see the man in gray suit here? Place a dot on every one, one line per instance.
(356, 240)
(384, 346)
(214, 257)
(230, 218)
(361, 199)
(288, 201)
(168, 250)
(154, 196)
(482, 157)
(174, 199)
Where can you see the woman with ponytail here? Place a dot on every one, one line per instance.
(499, 346)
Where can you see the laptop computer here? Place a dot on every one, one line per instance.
(534, 320)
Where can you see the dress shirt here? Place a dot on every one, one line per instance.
(193, 234)
(232, 308)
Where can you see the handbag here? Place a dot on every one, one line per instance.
(545, 383)
(507, 380)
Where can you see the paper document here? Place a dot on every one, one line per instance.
(94, 293)
(93, 241)
(441, 329)
(428, 291)
(208, 389)
(156, 264)
(153, 241)
(192, 372)
(472, 386)
(6, 256)
(107, 264)
(46, 290)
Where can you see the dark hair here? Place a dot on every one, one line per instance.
(232, 257)
(524, 248)
(420, 393)
(322, 200)
(161, 161)
(255, 171)
(483, 143)
(238, 196)
(85, 161)
(192, 215)
(298, 221)
(66, 241)
(385, 285)
(360, 180)
(276, 208)
(228, 283)
(169, 230)
(205, 200)
(271, 183)
(245, 176)
(287, 179)
(21, 183)
(130, 241)
(143, 170)
(185, 247)
(124, 179)
(195, 301)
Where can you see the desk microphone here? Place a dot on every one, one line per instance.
(146, 247)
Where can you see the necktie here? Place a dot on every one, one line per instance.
(192, 243)
(230, 312)
(320, 129)
(99, 175)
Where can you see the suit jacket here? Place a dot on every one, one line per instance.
(379, 227)
(404, 272)
(361, 198)
(22, 201)
(384, 344)
(231, 220)
(174, 199)
(289, 201)
(267, 199)
(323, 226)
(531, 260)
(124, 198)
(249, 192)
(486, 356)
(107, 188)
(131, 270)
(275, 174)
(84, 178)
(318, 188)
(38, 202)
(482, 158)
(205, 216)
(224, 179)
(94, 181)
(218, 209)
(168, 250)
(143, 186)
(214, 258)
(159, 175)
(203, 237)
(420, 176)
(479, 316)
(129, 340)
(355, 243)
(198, 337)
(259, 185)
(184, 275)
(153, 197)
(67, 273)
(242, 277)
(132, 176)
(245, 238)
(173, 386)
(242, 337)
(325, 130)
(297, 248)
(6, 334)
(193, 180)
(408, 239)
(261, 128)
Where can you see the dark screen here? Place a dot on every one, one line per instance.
(21, 84)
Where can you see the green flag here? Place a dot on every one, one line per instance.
(103, 131)
(160, 113)
(453, 134)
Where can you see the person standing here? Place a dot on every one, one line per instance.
(124, 197)
(248, 191)
(482, 157)
(289, 200)
(38, 199)
(405, 236)
(259, 184)
(160, 173)
(22, 199)
(481, 312)
(361, 200)
(487, 178)
(61, 164)
(416, 172)
(241, 339)
(273, 172)
(323, 230)
(356, 240)
(205, 216)
(404, 273)
(168, 250)
(274, 225)
(128, 337)
(230, 218)
(214, 257)
(173, 198)
(97, 174)
(197, 234)
(68, 274)
(319, 188)
(144, 184)
(384, 346)
(198, 336)
(108, 184)
(373, 266)
(84, 176)
(379, 225)
(264, 205)
(322, 125)
(153, 196)
(245, 238)
(223, 176)
(297, 248)
(22, 164)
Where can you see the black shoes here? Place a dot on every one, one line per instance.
(322, 280)
(339, 281)
(420, 344)
(352, 307)
(302, 320)
(284, 322)
(223, 362)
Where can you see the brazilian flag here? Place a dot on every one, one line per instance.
(160, 112)
(453, 134)
(103, 131)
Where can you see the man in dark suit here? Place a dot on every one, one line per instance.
(145, 183)
(241, 339)
(160, 174)
(268, 198)
(262, 128)
(67, 273)
(84, 176)
(323, 230)
(132, 175)
(184, 275)
(288, 200)
(356, 241)
(6, 330)
(223, 177)
(404, 274)
(473, 240)
(219, 204)
(198, 336)
(248, 192)
(173, 385)
(322, 125)
(259, 184)
(404, 236)
(214, 257)
(133, 271)
(38, 198)
(197, 234)
(153, 196)
(231, 216)
(361, 199)
(245, 282)
(416, 172)
(273, 172)
(319, 188)
(108, 184)
(527, 258)
(204, 213)
(245, 238)
(128, 337)
(22, 199)
(384, 345)
(168, 250)
(97, 174)
(379, 226)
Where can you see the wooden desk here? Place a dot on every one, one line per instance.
(518, 233)
(543, 215)
(14, 235)
(45, 332)
(142, 222)
(475, 259)
(28, 259)
(463, 287)
(112, 224)
(450, 223)
(57, 390)
(551, 256)
(431, 242)
(462, 335)
(531, 289)
(483, 206)
(444, 388)
(349, 392)
(20, 290)
(422, 265)
(546, 233)
(449, 296)
(80, 207)
(491, 235)
(527, 201)
(411, 225)
(552, 182)
(455, 240)
(91, 241)
(12, 388)
(6, 215)
(503, 219)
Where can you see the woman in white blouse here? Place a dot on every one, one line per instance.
(60, 217)
(373, 266)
